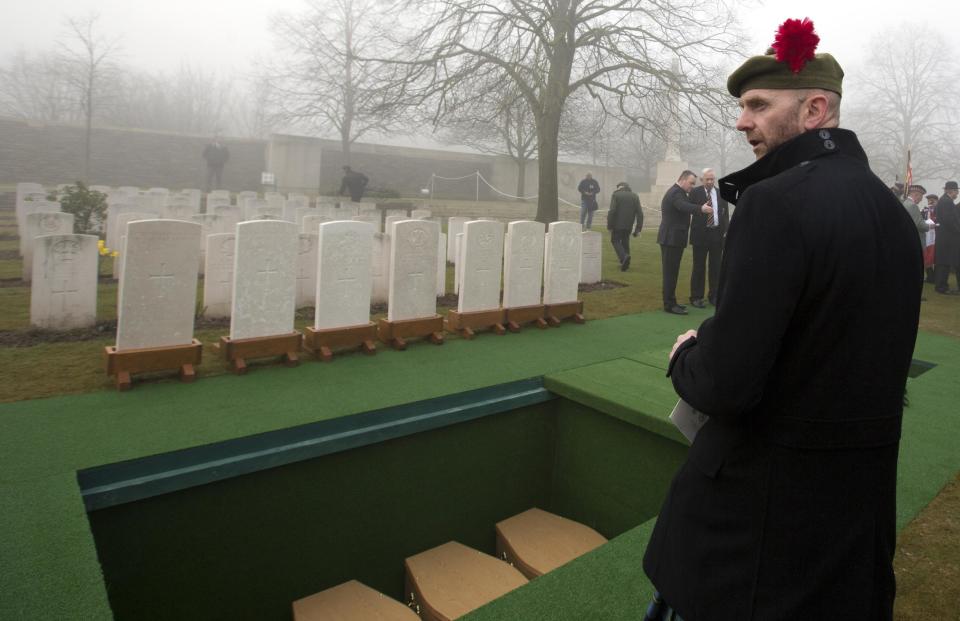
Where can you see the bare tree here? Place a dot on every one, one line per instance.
(34, 87)
(87, 56)
(905, 100)
(327, 83)
(550, 49)
(497, 121)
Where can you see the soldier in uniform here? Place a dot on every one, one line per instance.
(786, 505)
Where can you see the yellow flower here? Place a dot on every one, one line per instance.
(100, 243)
(114, 254)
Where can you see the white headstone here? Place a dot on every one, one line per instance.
(218, 274)
(371, 218)
(195, 196)
(592, 261)
(330, 210)
(63, 293)
(122, 221)
(457, 262)
(523, 264)
(158, 289)
(292, 205)
(347, 211)
(114, 210)
(401, 213)
(454, 227)
(218, 195)
(413, 270)
(31, 208)
(307, 270)
(380, 269)
(275, 200)
(482, 249)
(390, 221)
(214, 201)
(302, 212)
(44, 223)
(268, 213)
(22, 190)
(312, 222)
(561, 273)
(420, 214)
(264, 279)
(230, 215)
(362, 207)
(179, 208)
(344, 275)
(441, 265)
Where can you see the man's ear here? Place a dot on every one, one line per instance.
(815, 111)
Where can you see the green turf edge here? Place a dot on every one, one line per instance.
(607, 583)
(50, 568)
(631, 391)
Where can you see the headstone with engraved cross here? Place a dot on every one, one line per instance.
(592, 260)
(482, 250)
(523, 264)
(344, 254)
(157, 299)
(413, 270)
(307, 270)
(264, 279)
(561, 273)
(218, 274)
(63, 293)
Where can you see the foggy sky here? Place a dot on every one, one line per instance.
(226, 35)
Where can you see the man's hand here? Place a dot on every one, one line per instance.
(636, 233)
(683, 338)
(706, 208)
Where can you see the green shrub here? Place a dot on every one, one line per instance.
(89, 207)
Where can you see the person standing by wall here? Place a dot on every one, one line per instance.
(625, 215)
(216, 155)
(589, 189)
(354, 182)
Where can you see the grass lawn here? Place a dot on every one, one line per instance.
(928, 556)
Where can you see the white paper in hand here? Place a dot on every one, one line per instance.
(688, 420)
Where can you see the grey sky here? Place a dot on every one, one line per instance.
(225, 35)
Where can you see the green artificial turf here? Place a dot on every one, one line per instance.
(49, 569)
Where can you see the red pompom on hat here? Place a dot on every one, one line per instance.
(796, 43)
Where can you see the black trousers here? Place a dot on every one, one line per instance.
(620, 238)
(214, 178)
(941, 277)
(670, 257)
(706, 262)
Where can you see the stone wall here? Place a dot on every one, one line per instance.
(52, 154)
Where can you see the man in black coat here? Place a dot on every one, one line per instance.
(706, 236)
(589, 189)
(216, 155)
(676, 210)
(625, 215)
(354, 182)
(947, 251)
(786, 505)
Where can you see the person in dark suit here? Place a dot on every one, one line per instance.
(785, 507)
(625, 215)
(947, 250)
(354, 182)
(216, 154)
(676, 210)
(706, 236)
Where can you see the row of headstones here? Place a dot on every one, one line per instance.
(157, 293)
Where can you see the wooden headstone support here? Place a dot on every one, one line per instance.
(466, 324)
(556, 313)
(323, 343)
(236, 352)
(396, 333)
(121, 365)
(518, 316)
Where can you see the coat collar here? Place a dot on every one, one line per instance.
(799, 150)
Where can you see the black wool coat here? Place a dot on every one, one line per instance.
(699, 220)
(785, 506)
(676, 210)
(947, 248)
(625, 211)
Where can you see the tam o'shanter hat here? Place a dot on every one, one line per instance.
(917, 188)
(790, 63)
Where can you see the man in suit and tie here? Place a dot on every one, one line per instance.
(676, 209)
(707, 232)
